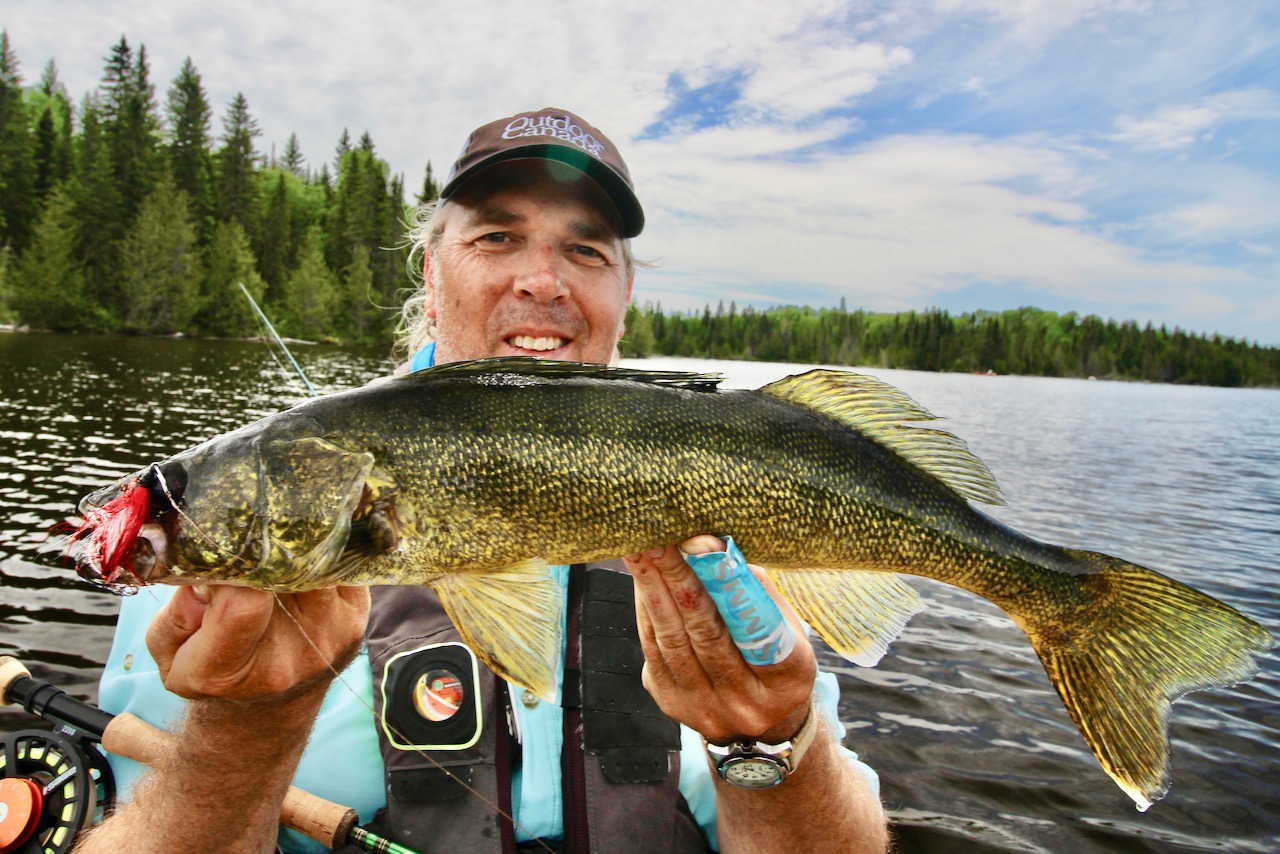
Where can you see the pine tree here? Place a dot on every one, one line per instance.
(46, 142)
(53, 134)
(364, 219)
(358, 317)
(293, 160)
(189, 117)
(638, 340)
(235, 162)
(7, 314)
(430, 190)
(160, 265)
(310, 292)
(229, 262)
(97, 210)
(344, 148)
(131, 125)
(18, 202)
(49, 285)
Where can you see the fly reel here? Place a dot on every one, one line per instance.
(51, 788)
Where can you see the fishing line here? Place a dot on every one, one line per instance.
(303, 632)
(401, 736)
(278, 339)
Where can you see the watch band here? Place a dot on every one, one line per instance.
(754, 764)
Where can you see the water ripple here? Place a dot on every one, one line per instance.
(975, 751)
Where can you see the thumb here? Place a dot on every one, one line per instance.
(176, 623)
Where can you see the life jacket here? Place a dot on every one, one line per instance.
(621, 757)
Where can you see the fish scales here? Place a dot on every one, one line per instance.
(603, 468)
(473, 477)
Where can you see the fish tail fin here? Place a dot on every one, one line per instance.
(1139, 642)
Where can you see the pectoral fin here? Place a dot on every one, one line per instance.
(857, 612)
(511, 619)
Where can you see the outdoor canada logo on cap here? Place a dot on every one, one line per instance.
(562, 127)
(551, 134)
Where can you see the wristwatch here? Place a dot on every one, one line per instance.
(756, 765)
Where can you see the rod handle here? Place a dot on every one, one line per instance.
(10, 669)
(311, 815)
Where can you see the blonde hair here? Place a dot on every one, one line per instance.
(415, 330)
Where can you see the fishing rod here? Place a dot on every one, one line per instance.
(276, 335)
(56, 784)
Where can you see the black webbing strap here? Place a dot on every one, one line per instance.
(577, 836)
(504, 749)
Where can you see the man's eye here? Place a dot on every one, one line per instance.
(588, 252)
(495, 237)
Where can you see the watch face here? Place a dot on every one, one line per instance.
(752, 772)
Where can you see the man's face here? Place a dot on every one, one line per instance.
(528, 265)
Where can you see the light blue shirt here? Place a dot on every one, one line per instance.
(342, 762)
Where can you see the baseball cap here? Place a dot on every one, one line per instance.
(551, 134)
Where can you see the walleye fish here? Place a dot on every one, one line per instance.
(472, 477)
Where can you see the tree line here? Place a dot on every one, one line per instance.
(1022, 341)
(122, 214)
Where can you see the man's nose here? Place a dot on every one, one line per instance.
(542, 279)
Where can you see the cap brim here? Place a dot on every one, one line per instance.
(614, 185)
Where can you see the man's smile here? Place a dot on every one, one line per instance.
(538, 343)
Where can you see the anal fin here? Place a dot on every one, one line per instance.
(857, 612)
(510, 618)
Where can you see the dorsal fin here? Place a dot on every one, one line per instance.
(878, 411)
(498, 367)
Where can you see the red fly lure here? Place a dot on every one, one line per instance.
(111, 531)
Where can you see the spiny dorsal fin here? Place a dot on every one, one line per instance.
(511, 369)
(878, 410)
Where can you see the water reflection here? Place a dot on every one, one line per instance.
(975, 750)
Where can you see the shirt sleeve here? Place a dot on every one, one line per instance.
(131, 681)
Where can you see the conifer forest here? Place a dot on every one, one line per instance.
(128, 212)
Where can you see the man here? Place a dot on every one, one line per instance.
(526, 254)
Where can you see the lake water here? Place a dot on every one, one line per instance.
(975, 751)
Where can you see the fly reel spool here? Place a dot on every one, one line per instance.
(50, 789)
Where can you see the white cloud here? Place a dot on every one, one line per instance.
(1182, 125)
(902, 223)
(822, 176)
(813, 74)
(1039, 20)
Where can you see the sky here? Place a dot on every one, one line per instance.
(1108, 157)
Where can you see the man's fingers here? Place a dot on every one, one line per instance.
(176, 623)
(330, 620)
(679, 606)
(757, 625)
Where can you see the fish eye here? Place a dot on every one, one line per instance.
(165, 483)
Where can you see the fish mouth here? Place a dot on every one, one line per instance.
(121, 541)
(139, 565)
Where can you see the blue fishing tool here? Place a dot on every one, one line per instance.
(752, 617)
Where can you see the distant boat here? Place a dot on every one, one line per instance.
(987, 373)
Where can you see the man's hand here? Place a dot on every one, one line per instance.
(694, 669)
(698, 675)
(221, 647)
(235, 643)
